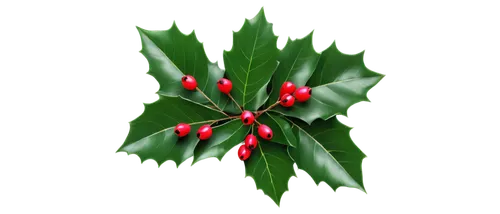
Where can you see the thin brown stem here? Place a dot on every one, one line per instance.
(239, 107)
(258, 113)
(199, 90)
(211, 121)
(258, 122)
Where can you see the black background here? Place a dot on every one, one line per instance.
(219, 188)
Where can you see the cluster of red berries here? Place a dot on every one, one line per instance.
(205, 132)
(183, 129)
(251, 142)
(288, 94)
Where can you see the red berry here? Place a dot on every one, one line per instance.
(204, 132)
(224, 85)
(287, 100)
(265, 132)
(303, 94)
(287, 88)
(247, 117)
(189, 82)
(244, 152)
(182, 129)
(251, 141)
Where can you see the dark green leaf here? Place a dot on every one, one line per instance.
(338, 82)
(252, 61)
(224, 138)
(271, 168)
(152, 136)
(171, 55)
(326, 152)
(282, 130)
(297, 62)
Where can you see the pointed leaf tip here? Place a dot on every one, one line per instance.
(137, 27)
(339, 81)
(251, 62)
(261, 12)
(330, 142)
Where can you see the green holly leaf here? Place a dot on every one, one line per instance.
(297, 62)
(152, 136)
(318, 142)
(282, 130)
(271, 167)
(327, 153)
(251, 62)
(338, 82)
(171, 55)
(223, 139)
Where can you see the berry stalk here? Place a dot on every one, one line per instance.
(258, 113)
(239, 107)
(199, 90)
(214, 121)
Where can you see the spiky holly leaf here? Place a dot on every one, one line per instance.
(323, 148)
(327, 153)
(152, 136)
(297, 63)
(282, 130)
(338, 82)
(251, 62)
(171, 55)
(271, 167)
(223, 139)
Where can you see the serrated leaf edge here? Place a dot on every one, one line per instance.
(281, 128)
(195, 123)
(217, 157)
(364, 188)
(282, 196)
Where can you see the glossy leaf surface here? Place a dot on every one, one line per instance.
(251, 62)
(224, 138)
(171, 55)
(297, 63)
(282, 130)
(307, 133)
(271, 167)
(327, 153)
(338, 82)
(152, 136)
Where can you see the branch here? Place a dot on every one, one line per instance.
(227, 118)
(199, 90)
(239, 107)
(258, 113)
(213, 121)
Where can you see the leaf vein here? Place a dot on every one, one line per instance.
(293, 64)
(255, 168)
(225, 140)
(250, 64)
(317, 143)
(260, 65)
(270, 174)
(255, 95)
(276, 157)
(244, 55)
(184, 113)
(282, 130)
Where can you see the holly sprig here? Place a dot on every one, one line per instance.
(247, 118)
(291, 96)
